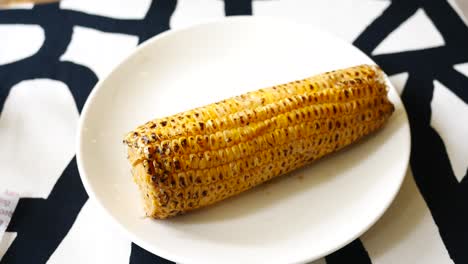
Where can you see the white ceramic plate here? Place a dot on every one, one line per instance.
(294, 219)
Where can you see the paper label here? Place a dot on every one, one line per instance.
(8, 202)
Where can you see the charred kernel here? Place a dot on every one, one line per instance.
(176, 147)
(182, 182)
(183, 142)
(165, 146)
(163, 123)
(164, 177)
(177, 164)
(158, 150)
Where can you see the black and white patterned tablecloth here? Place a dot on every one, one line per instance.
(52, 55)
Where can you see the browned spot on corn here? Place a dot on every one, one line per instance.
(198, 157)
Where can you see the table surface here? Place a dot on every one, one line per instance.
(52, 55)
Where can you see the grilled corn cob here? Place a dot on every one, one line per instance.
(198, 157)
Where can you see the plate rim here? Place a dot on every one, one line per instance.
(93, 197)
